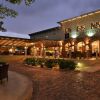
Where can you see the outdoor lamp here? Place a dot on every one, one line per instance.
(90, 32)
(74, 34)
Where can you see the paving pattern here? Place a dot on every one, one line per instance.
(16, 88)
(61, 85)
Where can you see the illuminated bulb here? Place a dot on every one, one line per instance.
(90, 32)
(74, 34)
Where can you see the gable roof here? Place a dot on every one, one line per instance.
(44, 31)
(82, 15)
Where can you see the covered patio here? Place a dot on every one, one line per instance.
(14, 45)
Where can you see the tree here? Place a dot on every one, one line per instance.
(7, 12)
(27, 2)
(1, 27)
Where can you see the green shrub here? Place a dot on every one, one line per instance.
(67, 64)
(41, 61)
(30, 61)
(50, 63)
(63, 64)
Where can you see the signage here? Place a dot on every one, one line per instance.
(95, 25)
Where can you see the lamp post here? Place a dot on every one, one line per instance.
(25, 50)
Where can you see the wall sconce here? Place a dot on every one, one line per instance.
(74, 34)
(90, 32)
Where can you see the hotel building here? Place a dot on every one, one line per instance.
(82, 35)
(75, 37)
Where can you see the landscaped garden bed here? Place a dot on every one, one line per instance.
(51, 63)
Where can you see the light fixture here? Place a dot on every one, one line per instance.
(74, 34)
(90, 32)
(25, 47)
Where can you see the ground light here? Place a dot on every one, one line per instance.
(81, 66)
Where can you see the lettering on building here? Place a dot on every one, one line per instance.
(68, 30)
(95, 25)
(80, 28)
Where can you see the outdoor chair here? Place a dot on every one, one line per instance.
(3, 71)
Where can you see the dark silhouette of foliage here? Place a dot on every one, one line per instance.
(7, 12)
(27, 2)
(1, 27)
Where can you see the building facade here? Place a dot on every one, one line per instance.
(76, 37)
(82, 35)
(47, 42)
(49, 34)
(14, 45)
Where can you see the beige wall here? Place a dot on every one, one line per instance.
(85, 20)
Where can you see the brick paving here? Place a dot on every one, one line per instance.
(18, 87)
(61, 85)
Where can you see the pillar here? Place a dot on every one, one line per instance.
(26, 50)
(90, 48)
(63, 49)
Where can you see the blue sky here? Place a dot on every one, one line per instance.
(44, 14)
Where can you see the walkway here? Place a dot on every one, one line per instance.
(62, 85)
(18, 87)
(88, 65)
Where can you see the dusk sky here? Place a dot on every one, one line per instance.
(44, 14)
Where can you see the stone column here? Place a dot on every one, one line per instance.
(90, 48)
(41, 50)
(63, 49)
(26, 50)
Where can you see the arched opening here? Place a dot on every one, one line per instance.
(81, 47)
(95, 48)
